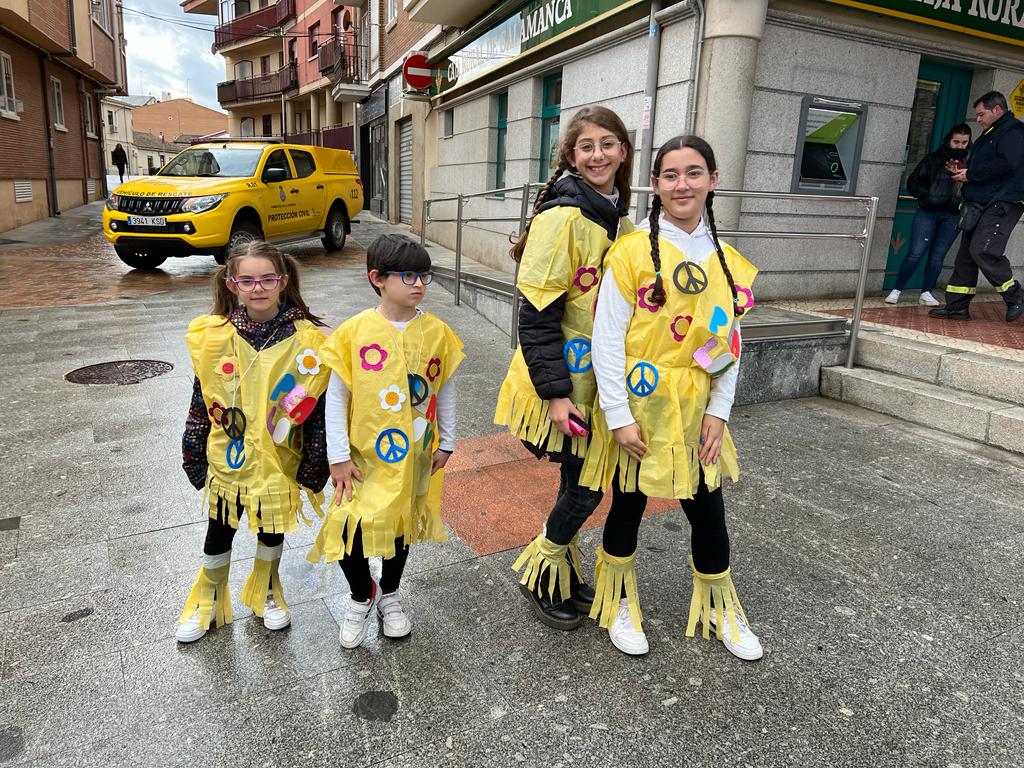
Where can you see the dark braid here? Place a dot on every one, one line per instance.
(736, 309)
(520, 245)
(657, 295)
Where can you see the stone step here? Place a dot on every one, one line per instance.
(979, 374)
(976, 417)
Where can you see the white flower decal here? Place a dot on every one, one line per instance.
(392, 398)
(308, 362)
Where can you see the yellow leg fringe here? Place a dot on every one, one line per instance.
(611, 574)
(263, 579)
(542, 555)
(209, 591)
(573, 553)
(720, 587)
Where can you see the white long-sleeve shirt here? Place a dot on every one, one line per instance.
(336, 415)
(611, 321)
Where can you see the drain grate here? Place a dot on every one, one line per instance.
(119, 372)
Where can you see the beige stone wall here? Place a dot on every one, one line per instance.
(70, 193)
(15, 214)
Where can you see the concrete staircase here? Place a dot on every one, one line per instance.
(977, 396)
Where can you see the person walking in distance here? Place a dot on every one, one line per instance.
(120, 160)
(993, 193)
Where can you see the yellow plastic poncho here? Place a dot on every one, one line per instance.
(394, 377)
(669, 351)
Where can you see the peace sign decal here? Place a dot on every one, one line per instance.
(577, 355)
(392, 445)
(643, 379)
(695, 281)
(418, 389)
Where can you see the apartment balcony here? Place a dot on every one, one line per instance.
(347, 64)
(256, 24)
(258, 88)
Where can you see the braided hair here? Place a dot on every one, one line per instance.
(603, 118)
(704, 150)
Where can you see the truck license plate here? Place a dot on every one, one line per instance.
(147, 221)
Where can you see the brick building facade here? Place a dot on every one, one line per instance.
(178, 117)
(57, 60)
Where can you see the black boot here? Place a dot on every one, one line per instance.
(580, 593)
(559, 614)
(951, 314)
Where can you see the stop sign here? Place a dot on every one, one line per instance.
(417, 71)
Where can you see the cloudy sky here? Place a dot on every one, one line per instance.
(167, 53)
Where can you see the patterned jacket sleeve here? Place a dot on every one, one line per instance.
(313, 469)
(193, 442)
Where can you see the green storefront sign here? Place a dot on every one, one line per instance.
(1001, 20)
(533, 25)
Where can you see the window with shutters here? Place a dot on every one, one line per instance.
(57, 103)
(8, 103)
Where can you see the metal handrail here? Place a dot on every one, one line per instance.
(864, 238)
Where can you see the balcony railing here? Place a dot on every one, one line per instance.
(264, 86)
(255, 24)
(335, 137)
(344, 61)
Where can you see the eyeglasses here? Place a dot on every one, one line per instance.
(671, 177)
(248, 284)
(607, 146)
(409, 277)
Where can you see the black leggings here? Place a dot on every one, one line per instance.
(356, 567)
(220, 535)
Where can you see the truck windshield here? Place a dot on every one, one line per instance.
(223, 162)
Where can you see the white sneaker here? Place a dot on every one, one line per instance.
(927, 299)
(748, 648)
(624, 636)
(357, 618)
(893, 297)
(189, 631)
(396, 622)
(274, 616)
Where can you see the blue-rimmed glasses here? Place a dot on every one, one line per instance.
(409, 277)
(248, 284)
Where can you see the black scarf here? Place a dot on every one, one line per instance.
(572, 191)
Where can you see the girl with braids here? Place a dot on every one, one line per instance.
(666, 344)
(255, 433)
(548, 395)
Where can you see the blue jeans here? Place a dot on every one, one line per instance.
(932, 233)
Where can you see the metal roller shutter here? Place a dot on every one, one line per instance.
(405, 172)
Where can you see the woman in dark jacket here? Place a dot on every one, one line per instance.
(120, 158)
(938, 202)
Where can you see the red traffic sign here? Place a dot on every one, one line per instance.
(417, 72)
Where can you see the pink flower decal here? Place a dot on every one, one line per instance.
(434, 368)
(372, 357)
(680, 326)
(586, 278)
(642, 295)
(744, 297)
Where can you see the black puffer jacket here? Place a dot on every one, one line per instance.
(540, 331)
(932, 184)
(995, 168)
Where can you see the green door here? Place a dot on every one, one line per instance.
(940, 102)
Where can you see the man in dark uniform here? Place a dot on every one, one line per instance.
(994, 178)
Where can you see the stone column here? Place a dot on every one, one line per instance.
(314, 111)
(732, 31)
(289, 117)
(332, 110)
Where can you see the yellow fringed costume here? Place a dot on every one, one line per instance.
(669, 350)
(394, 377)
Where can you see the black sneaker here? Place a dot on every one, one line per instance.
(561, 614)
(951, 314)
(1013, 311)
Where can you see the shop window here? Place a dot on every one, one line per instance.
(828, 146)
(549, 123)
(501, 136)
(449, 123)
(57, 103)
(8, 102)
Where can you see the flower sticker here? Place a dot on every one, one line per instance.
(744, 297)
(308, 362)
(227, 367)
(586, 278)
(434, 368)
(642, 295)
(680, 326)
(372, 357)
(392, 398)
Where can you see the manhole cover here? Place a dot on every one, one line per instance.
(119, 372)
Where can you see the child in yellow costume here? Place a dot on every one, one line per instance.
(548, 395)
(390, 430)
(666, 348)
(255, 429)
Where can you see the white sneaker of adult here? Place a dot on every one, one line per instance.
(624, 636)
(893, 297)
(928, 300)
(189, 631)
(357, 618)
(393, 616)
(748, 648)
(274, 616)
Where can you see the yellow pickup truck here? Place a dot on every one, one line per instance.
(210, 197)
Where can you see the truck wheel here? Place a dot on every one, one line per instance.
(335, 230)
(242, 232)
(137, 259)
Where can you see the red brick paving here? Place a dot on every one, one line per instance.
(497, 496)
(987, 324)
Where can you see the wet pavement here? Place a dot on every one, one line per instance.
(881, 563)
